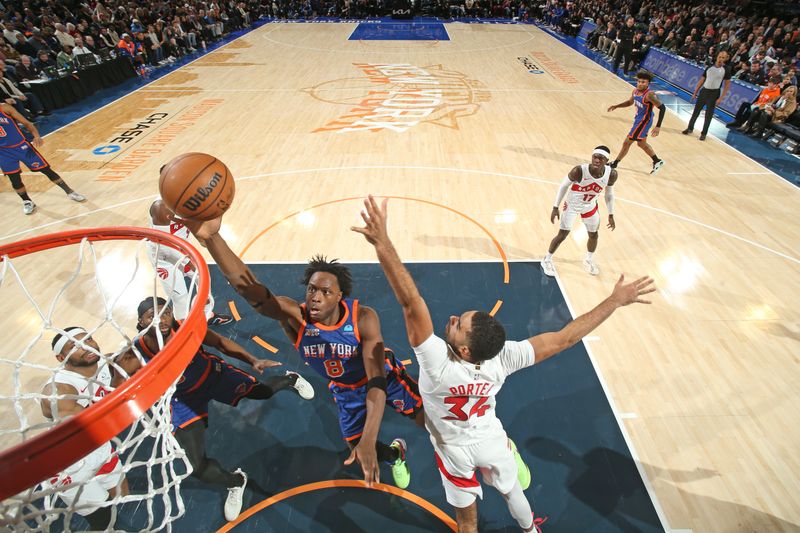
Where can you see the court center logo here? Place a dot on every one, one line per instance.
(398, 96)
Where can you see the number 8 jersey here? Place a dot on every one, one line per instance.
(334, 351)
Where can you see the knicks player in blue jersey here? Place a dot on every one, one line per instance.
(341, 340)
(15, 148)
(645, 101)
(208, 377)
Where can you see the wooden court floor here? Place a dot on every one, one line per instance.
(471, 146)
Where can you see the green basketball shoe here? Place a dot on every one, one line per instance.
(400, 471)
(523, 472)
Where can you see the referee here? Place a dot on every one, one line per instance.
(710, 96)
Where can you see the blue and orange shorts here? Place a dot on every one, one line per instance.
(225, 384)
(402, 395)
(10, 158)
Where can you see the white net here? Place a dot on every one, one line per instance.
(71, 332)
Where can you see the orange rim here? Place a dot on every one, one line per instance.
(26, 464)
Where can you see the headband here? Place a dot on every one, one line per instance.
(148, 304)
(600, 151)
(66, 337)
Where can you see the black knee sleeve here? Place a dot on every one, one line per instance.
(192, 440)
(16, 180)
(50, 173)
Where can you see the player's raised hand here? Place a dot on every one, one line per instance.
(632, 292)
(260, 364)
(202, 230)
(554, 215)
(367, 457)
(374, 216)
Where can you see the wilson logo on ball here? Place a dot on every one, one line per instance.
(195, 200)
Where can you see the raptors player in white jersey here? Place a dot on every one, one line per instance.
(461, 374)
(173, 267)
(98, 476)
(583, 186)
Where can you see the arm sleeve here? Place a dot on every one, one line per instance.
(562, 191)
(516, 355)
(432, 355)
(610, 199)
(662, 109)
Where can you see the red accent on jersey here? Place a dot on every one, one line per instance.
(458, 402)
(592, 187)
(175, 227)
(590, 213)
(456, 407)
(109, 466)
(455, 480)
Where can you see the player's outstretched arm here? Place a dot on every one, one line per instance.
(237, 351)
(549, 344)
(241, 277)
(626, 103)
(372, 348)
(418, 319)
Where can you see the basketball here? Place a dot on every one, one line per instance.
(197, 186)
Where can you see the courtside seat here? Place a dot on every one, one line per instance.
(790, 128)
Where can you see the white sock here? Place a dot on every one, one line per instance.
(519, 507)
(548, 257)
(589, 256)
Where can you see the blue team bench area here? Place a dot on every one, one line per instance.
(407, 30)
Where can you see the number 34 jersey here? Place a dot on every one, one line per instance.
(459, 397)
(334, 351)
(582, 196)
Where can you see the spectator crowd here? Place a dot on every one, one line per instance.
(756, 48)
(43, 37)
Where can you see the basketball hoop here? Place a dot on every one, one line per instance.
(139, 406)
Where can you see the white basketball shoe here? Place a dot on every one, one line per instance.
(233, 503)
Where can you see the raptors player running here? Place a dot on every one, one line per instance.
(584, 183)
(461, 374)
(98, 476)
(173, 267)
